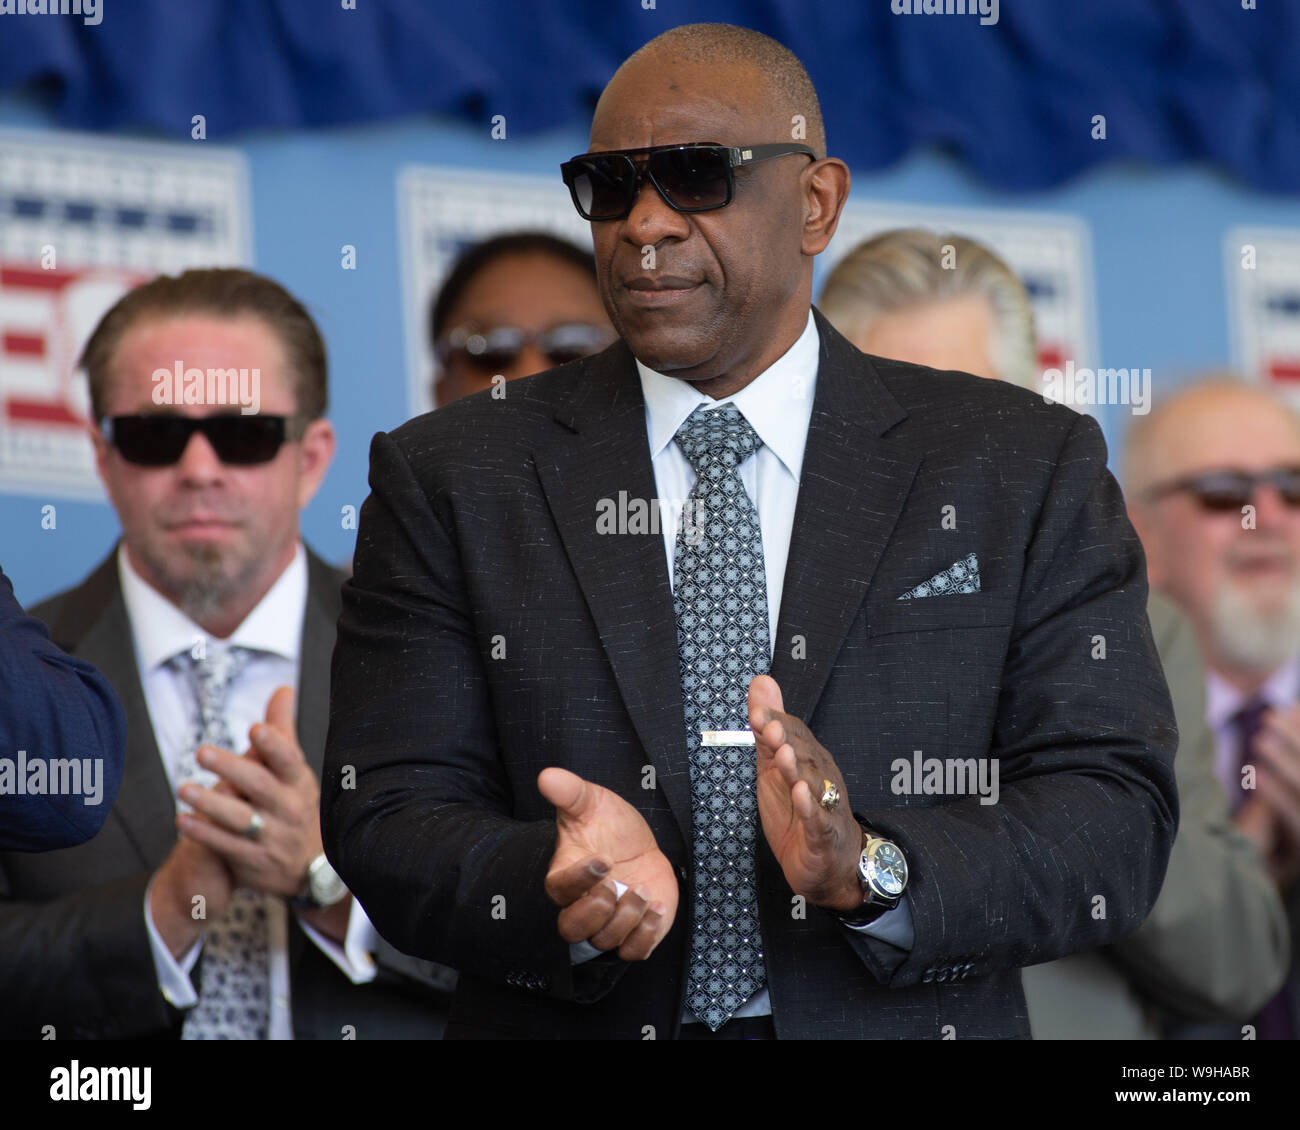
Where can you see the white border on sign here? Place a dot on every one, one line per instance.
(1245, 346)
(863, 218)
(235, 244)
(477, 212)
(178, 151)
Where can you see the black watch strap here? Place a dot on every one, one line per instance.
(865, 915)
(873, 906)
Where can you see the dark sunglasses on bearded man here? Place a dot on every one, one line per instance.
(158, 440)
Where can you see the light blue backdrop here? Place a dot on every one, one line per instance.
(1157, 248)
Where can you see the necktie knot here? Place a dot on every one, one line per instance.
(717, 437)
(211, 673)
(214, 668)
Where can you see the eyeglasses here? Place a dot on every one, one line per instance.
(497, 349)
(159, 441)
(688, 178)
(1221, 491)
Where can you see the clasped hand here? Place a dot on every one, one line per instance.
(602, 838)
(274, 779)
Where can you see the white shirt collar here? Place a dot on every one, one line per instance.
(1223, 700)
(161, 630)
(777, 403)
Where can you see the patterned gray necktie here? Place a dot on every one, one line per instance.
(234, 990)
(720, 599)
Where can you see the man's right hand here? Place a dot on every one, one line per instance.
(602, 838)
(189, 870)
(1271, 816)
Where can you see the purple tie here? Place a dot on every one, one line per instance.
(1247, 723)
(1274, 1021)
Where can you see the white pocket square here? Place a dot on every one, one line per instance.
(961, 576)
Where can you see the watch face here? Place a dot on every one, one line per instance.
(324, 883)
(887, 869)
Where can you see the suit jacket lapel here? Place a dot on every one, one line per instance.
(852, 488)
(603, 451)
(318, 628)
(93, 624)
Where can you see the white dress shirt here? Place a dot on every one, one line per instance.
(273, 630)
(778, 405)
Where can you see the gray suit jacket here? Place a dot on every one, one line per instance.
(1215, 946)
(74, 949)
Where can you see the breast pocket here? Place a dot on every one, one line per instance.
(934, 674)
(936, 613)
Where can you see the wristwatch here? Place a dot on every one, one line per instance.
(324, 887)
(882, 871)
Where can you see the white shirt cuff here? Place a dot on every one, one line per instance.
(353, 957)
(173, 976)
(894, 926)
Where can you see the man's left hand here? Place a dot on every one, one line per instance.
(818, 849)
(1277, 788)
(274, 779)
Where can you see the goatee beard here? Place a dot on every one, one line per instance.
(209, 588)
(1252, 637)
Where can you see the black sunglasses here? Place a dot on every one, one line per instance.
(688, 178)
(495, 350)
(1221, 491)
(159, 441)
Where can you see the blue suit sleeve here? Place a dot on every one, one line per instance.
(55, 710)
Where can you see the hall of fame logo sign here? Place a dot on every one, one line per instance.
(1049, 252)
(443, 211)
(82, 220)
(1263, 277)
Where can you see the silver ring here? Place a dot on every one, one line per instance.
(830, 796)
(255, 826)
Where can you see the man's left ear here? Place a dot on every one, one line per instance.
(826, 188)
(315, 453)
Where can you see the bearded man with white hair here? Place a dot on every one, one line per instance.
(1212, 479)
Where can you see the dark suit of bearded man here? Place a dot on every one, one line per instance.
(74, 948)
(491, 630)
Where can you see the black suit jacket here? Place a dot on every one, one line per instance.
(490, 630)
(74, 949)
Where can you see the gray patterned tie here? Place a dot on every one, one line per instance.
(720, 599)
(234, 990)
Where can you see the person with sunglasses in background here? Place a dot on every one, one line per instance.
(512, 306)
(1212, 477)
(205, 907)
(638, 779)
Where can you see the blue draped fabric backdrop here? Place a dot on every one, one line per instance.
(1177, 80)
